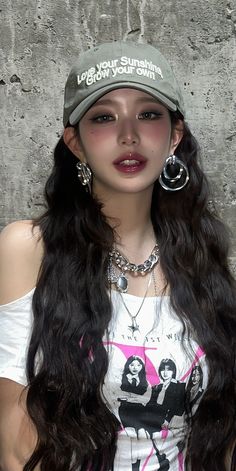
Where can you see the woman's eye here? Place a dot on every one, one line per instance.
(150, 115)
(103, 118)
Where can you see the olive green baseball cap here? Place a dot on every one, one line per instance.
(114, 65)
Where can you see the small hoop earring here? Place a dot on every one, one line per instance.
(175, 174)
(84, 175)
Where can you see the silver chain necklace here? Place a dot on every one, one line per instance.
(134, 327)
(120, 279)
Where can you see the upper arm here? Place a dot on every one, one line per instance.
(20, 259)
(21, 251)
(18, 436)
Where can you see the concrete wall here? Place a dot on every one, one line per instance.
(39, 40)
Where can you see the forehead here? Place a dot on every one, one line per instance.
(131, 95)
(135, 361)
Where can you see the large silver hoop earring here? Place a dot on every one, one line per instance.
(84, 175)
(175, 174)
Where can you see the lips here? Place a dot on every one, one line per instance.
(130, 162)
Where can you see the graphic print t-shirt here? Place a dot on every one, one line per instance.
(155, 379)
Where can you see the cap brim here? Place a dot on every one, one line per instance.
(84, 106)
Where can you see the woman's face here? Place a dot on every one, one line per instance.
(166, 373)
(125, 138)
(135, 367)
(196, 376)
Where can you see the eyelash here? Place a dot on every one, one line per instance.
(100, 118)
(105, 118)
(155, 115)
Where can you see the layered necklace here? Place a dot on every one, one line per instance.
(122, 264)
(118, 269)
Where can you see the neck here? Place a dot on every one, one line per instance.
(130, 216)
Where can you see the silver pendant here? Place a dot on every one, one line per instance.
(134, 327)
(122, 283)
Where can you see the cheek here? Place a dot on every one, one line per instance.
(98, 134)
(161, 133)
(158, 135)
(97, 141)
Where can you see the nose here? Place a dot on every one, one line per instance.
(128, 132)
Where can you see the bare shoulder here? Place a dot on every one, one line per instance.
(22, 231)
(21, 251)
(20, 239)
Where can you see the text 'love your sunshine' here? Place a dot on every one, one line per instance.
(115, 67)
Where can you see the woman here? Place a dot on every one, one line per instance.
(134, 376)
(132, 404)
(127, 224)
(167, 398)
(195, 389)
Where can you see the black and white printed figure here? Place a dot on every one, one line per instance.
(151, 414)
(194, 389)
(135, 385)
(134, 376)
(167, 399)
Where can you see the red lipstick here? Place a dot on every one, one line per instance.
(131, 162)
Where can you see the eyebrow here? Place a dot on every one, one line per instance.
(107, 101)
(103, 102)
(150, 98)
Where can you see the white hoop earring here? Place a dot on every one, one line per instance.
(175, 174)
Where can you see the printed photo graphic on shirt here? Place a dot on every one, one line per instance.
(167, 399)
(194, 389)
(139, 417)
(134, 376)
(132, 410)
(161, 463)
(134, 384)
(147, 387)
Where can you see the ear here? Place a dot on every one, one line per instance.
(71, 139)
(176, 135)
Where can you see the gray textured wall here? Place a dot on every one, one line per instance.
(40, 38)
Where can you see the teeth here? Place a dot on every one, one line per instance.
(129, 162)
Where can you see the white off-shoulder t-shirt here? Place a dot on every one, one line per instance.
(154, 377)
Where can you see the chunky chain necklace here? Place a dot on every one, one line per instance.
(120, 279)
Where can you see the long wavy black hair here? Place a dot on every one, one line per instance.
(67, 361)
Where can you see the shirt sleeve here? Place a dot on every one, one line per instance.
(15, 330)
